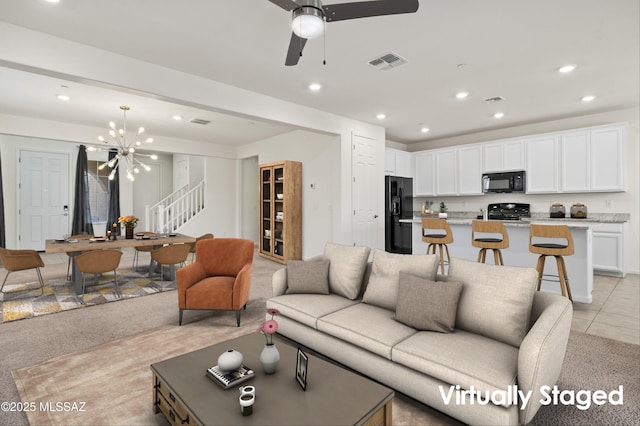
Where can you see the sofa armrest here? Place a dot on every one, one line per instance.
(186, 277)
(543, 349)
(242, 287)
(279, 282)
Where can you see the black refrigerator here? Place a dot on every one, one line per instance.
(398, 214)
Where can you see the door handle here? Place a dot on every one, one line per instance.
(375, 216)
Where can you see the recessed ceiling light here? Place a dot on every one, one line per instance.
(462, 95)
(63, 97)
(588, 98)
(424, 129)
(381, 116)
(498, 115)
(177, 117)
(52, 1)
(315, 87)
(566, 68)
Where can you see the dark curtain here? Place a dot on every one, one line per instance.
(81, 208)
(114, 198)
(2, 227)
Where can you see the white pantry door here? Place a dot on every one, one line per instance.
(44, 198)
(364, 194)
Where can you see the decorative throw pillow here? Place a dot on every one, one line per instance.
(346, 268)
(427, 305)
(308, 276)
(382, 288)
(496, 301)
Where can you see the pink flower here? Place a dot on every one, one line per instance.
(270, 326)
(273, 312)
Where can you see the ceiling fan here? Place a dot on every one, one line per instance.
(309, 17)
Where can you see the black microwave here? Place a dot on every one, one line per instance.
(503, 182)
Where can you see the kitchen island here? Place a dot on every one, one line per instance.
(579, 266)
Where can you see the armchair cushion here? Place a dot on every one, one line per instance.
(309, 277)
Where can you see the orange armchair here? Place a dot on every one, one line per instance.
(220, 277)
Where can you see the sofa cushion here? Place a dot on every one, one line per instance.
(382, 288)
(346, 268)
(496, 300)
(367, 326)
(460, 358)
(308, 277)
(307, 308)
(427, 305)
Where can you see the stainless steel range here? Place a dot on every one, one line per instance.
(508, 211)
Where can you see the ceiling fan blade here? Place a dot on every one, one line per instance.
(366, 9)
(287, 5)
(295, 50)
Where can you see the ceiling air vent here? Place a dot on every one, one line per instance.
(388, 61)
(494, 99)
(199, 121)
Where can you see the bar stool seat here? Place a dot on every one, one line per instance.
(440, 238)
(486, 242)
(537, 244)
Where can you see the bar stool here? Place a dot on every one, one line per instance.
(552, 248)
(436, 232)
(487, 242)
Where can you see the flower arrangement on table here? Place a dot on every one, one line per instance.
(269, 327)
(128, 221)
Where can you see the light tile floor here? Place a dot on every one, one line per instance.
(614, 312)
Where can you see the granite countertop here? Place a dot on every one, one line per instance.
(593, 220)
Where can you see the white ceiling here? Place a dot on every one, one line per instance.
(489, 48)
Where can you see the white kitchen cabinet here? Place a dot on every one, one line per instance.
(542, 164)
(424, 182)
(574, 161)
(403, 164)
(469, 170)
(397, 163)
(504, 156)
(609, 249)
(446, 172)
(390, 162)
(608, 158)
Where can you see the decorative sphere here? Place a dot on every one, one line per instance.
(230, 360)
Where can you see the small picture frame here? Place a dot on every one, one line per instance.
(301, 369)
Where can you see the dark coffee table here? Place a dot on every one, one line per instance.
(334, 395)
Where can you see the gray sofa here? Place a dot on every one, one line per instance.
(495, 333)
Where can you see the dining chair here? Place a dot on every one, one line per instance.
(21, 260)
(70, 253)
(98, 262)
(170, 255)
(145, 249)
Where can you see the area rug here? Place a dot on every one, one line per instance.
(23, 300)
(113, 380)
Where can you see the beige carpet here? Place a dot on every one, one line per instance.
(112, 381)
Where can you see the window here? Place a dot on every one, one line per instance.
(98, 191)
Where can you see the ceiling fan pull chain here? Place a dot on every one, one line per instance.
(324, 43)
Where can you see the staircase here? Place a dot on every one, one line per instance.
(176, 209)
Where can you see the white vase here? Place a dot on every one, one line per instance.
(230, 360)
(270, 358)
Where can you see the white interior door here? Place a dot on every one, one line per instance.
(364, 194)
(44, 198)
(146, 192)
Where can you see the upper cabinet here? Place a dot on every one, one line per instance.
(582, 160)
(504, 156)
(542, 165)
(397, 163)
(424, 182)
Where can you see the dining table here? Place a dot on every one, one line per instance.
(76, 247)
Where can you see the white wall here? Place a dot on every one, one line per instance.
(249, 202)
(320, 158)
(613, 202)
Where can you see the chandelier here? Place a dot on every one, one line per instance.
(126, 149)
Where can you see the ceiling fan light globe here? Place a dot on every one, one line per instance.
(308, 23)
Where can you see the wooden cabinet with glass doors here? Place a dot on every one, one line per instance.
(280, 210)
